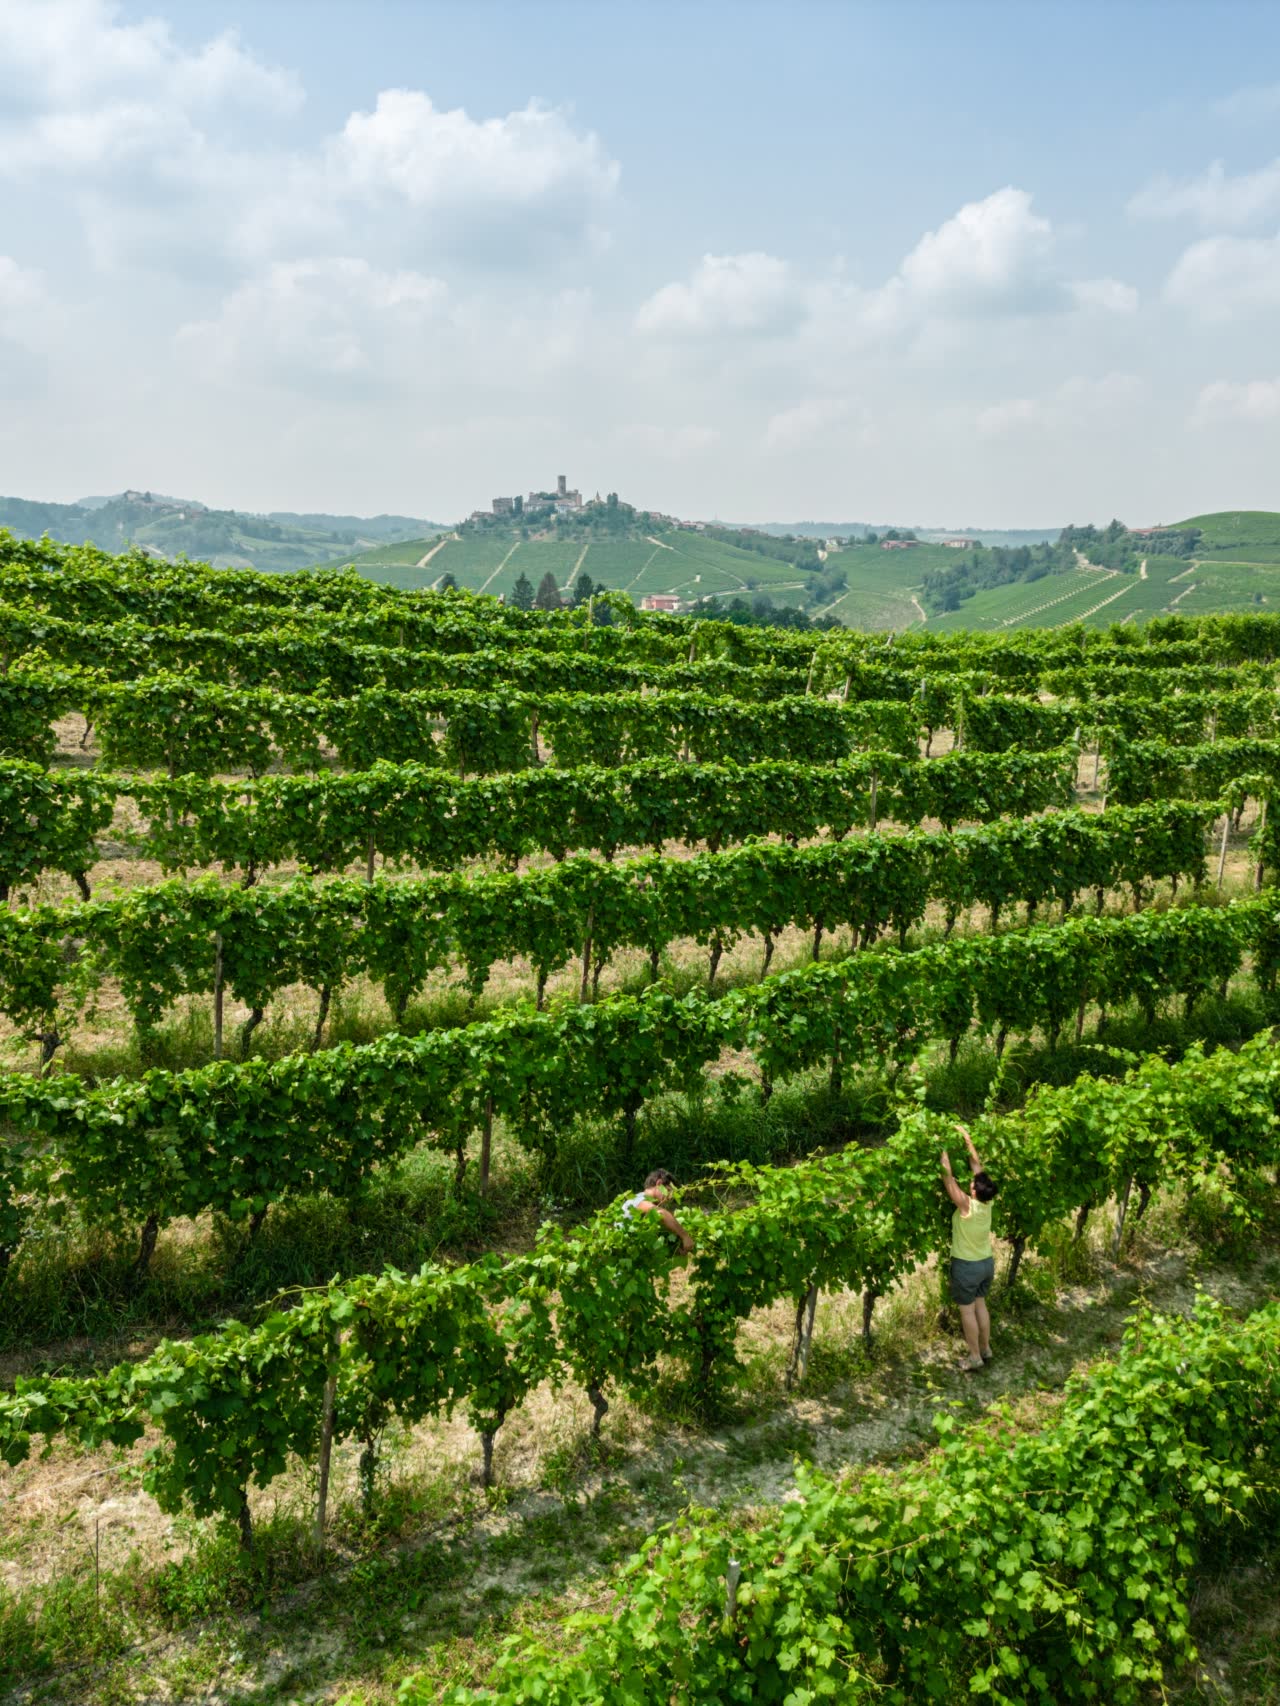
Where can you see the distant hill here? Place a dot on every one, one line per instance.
(227, 538)
(618, 548)
(1206, 565)
(1242, 536)
(860, 529)
(1011, 537)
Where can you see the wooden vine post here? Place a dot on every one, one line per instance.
(217, 996)
(586, 954)
(1262, 824)
(1120, 1217)
(1222, 851)
(806, 1309)
(326, 1443)
(732, 1576)
(486, 1145)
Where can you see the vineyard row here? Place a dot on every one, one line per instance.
(233, 1408)
(208, 938)
(101, 588)
(1052, 1566)
(235, 1137)
(305, 658)
(177, 724)
(52, 820)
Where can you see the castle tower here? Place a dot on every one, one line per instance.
(562, 485)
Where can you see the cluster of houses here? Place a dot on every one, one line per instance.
(562, 501)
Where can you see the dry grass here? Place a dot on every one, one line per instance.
(855, 1406)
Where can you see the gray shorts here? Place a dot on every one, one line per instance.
(971, 1280)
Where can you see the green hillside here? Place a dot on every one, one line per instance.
(675, 561)
(1239, 536)
(881, 583)
(227, 538)
(1233, 566)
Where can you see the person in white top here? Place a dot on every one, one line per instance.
(652, 1200)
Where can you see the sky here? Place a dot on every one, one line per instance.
(995, 265)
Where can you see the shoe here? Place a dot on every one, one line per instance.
(986, 1356)
(969, 1366)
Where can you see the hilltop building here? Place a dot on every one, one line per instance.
(666, 602)
(562, 500)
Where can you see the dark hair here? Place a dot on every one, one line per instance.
(659, 1176)
(984, 1187)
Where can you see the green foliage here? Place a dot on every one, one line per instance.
(420, 813)
(1046, 1566)
(230, 1407)
(235, 1138)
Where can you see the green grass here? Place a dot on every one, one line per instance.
(619, 562)
(1247, 535)
(403, 554)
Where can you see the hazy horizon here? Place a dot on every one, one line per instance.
(979, 262)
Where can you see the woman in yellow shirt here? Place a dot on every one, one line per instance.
(973, 1261)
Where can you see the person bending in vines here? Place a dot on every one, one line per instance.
(973, 1261)
(653, 1199)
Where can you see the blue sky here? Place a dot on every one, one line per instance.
(960, 264)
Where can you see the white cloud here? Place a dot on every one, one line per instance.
(992, 255)
(319, 321)
(1255, 402)
(1215, 198)
(84, 93)
(988, 247)
(1248, 106)
(1076, 402)
(1012, 415)
(1221, 277)
(992, 258)
(154, 139)
(1106, 295)
(805, 424)
(753, 294)
(675, 442)
(492, 167)
(20, 287)
(73, 55)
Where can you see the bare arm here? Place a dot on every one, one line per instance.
(669, 1220)
(975, 1161)
(949, 1184)
(673, 1226)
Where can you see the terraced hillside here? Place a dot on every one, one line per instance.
(1236, 567)
(673, 561)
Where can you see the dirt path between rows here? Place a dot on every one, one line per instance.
(502, 565)
(438, 546)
